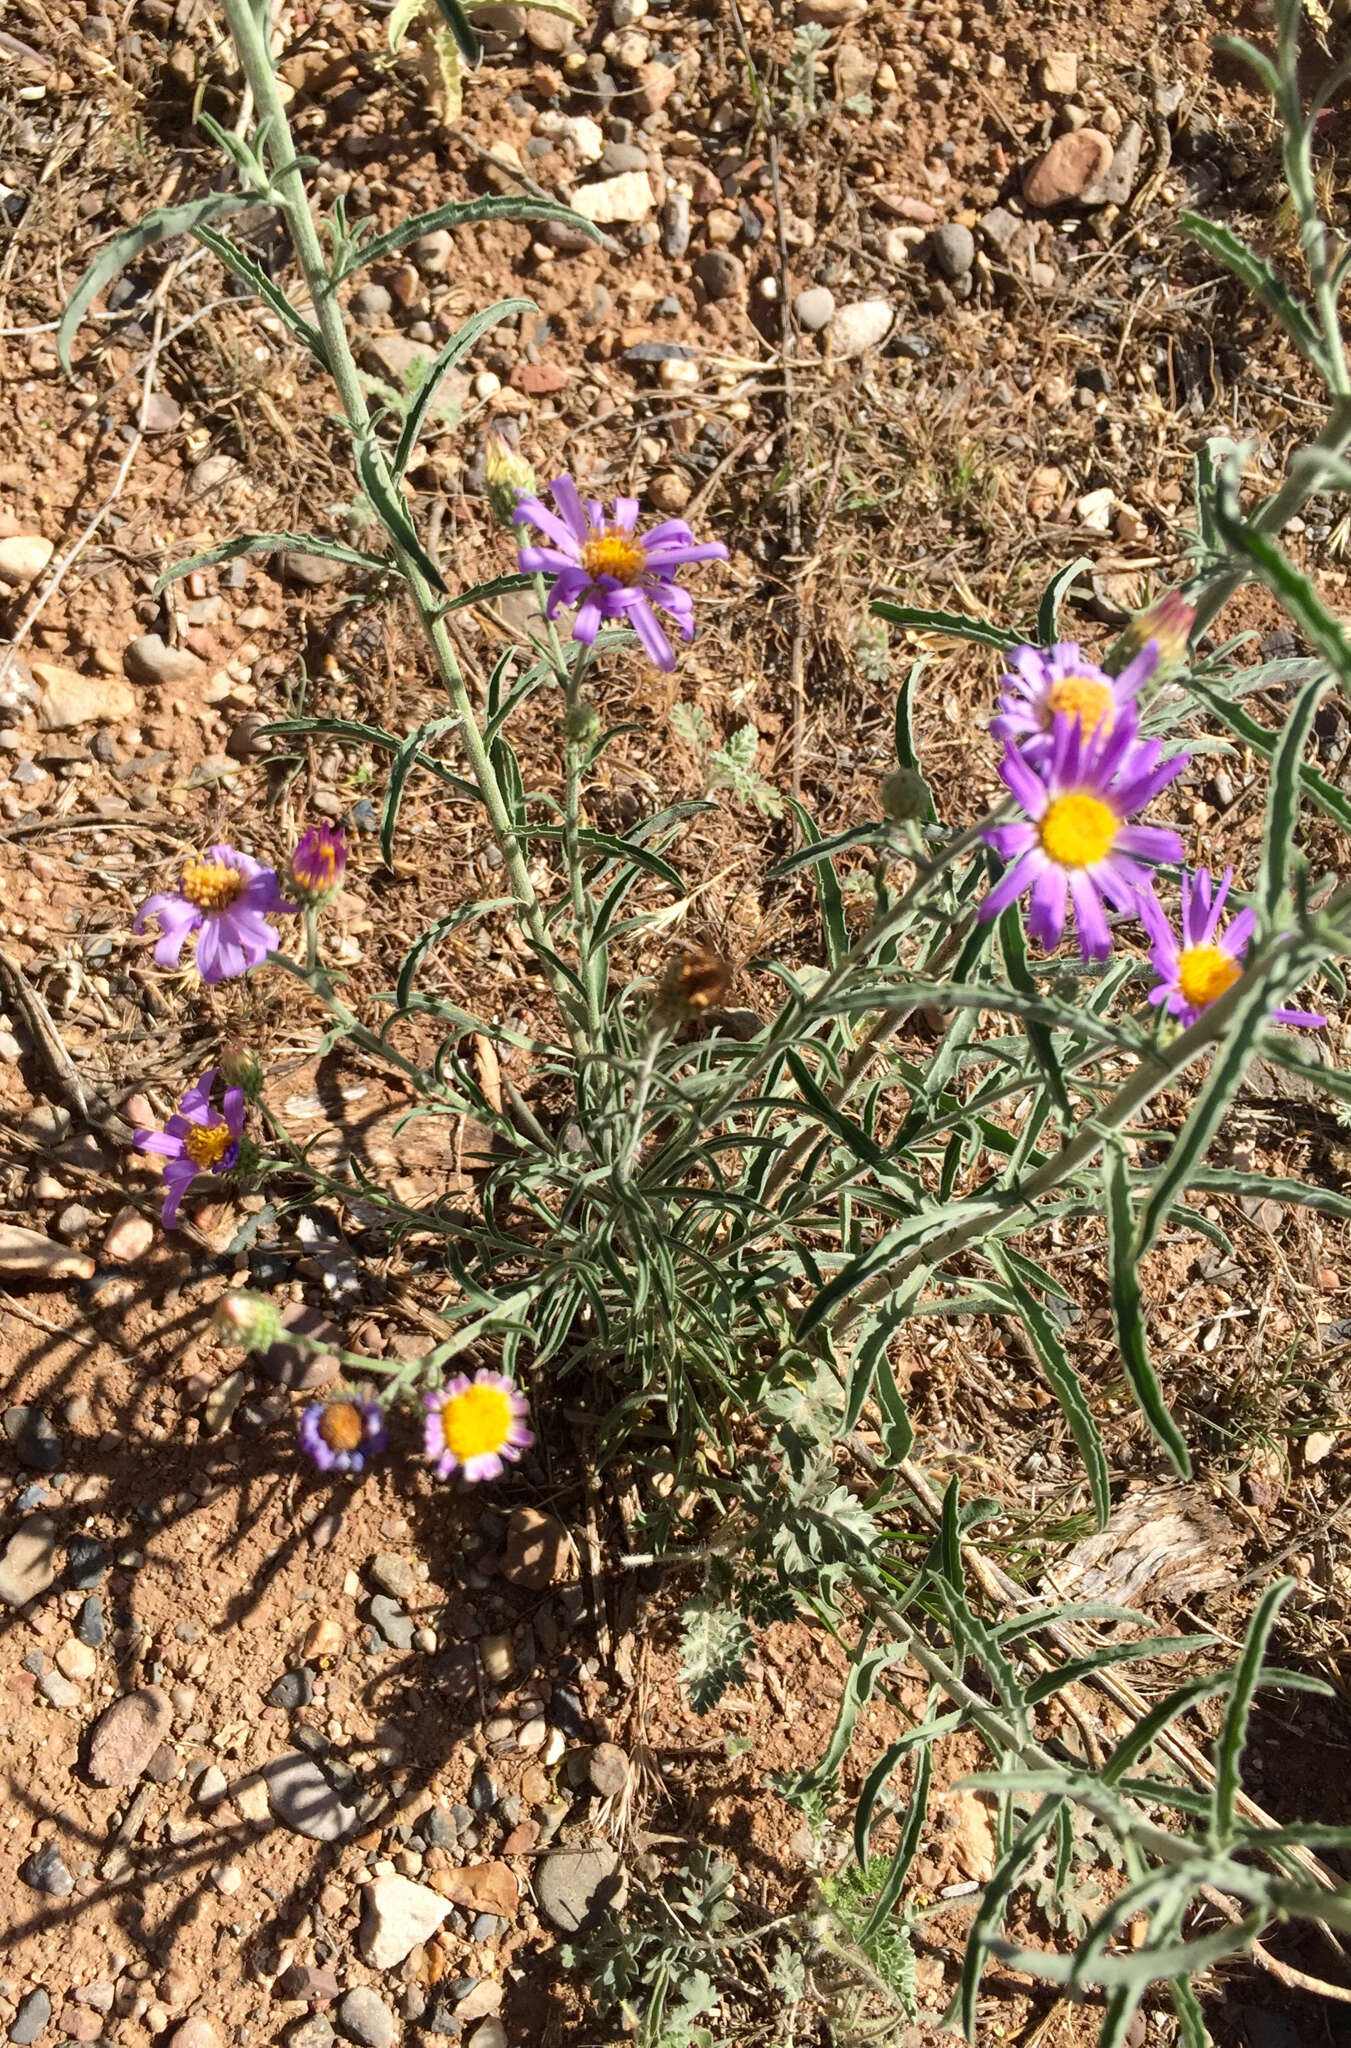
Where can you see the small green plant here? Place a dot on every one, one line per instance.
(730, 767)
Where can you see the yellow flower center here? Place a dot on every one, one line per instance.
(1205, 972)
(1078, 830)
(212, 885)
(342, 1426)
(207, 1144)
(476, 1422)
(614, 554)
(1082, 698)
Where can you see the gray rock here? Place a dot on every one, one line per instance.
(151, 660)
(814, 308)
(675, 225)
(1002, 228)
(211, 1787)
(722, 275)
(432, 253)
(438, 1829)
(372, 302)
(86, 1563)
(394, 1625)
(58, 1690)
(363, 2016)
(36, 1443)
(29, 1563)
(312, 572)
(856, 328)
(491, 2034)
(395, 1575)
(32, 2019)
(608, 1769)
(622, 156)
(314, 2032)
(304, 1801)
(1114, 188)
(575, 1886)
(293, 1689)
(954, 249)
(89, 1623)
(45, 1872)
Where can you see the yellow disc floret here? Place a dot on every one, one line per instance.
(1077, 830)
(1083, 698)
(614, 554)
(476, 1422)
(207, 1144)
(1204, 973)
(212, 885)
(342, 1426)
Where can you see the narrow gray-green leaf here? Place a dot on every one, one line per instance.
(1054, 595)
(1123, 1265)
(467, 213)
(1051, 1355)
(160, 226)
(1282, 819)
(459, 346)
(1233, 1734)
(252, 274)
(1254, 272)
(271, 544)
(954, 624)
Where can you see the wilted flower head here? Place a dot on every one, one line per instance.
(1197, 970)
(694, 980)
(250, 1321)
(608, 570)
(1046, 683)
(226, 898)
(318, 863)
(476, 1427)
(196, 1139)
(507, 476)
(1168, 623)
(342, 1435)
(1078, 845)
(581, 724)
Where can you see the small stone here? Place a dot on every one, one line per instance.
(549, 33)
(372, 302)
(211, 1787)
(304, 1371)
(1072, 164)
(1114, 188)
(58, 1691)
(23, 558)
(622, 156)
(209, 474)
(432, 253)
(398, 1915)
(653, 86)
(1317, 1445)
(311, 571)
(98, 1996)
(538, 379)
(77, 1661)
(326, 1638)
(304, 1801)
(31, 2020)
(831, 13)
(45, 1872)
(28, 1566)
(162, 1768)
(483, 1888)
(484, 1999)
(127, 1735)
(675, 224)
(220, 1404)
(491, 2034)
(394, 1625)
(533, 1734)
(954, 250)
(249, 1797)
(722, 275)
(1058, 75)
(151, 660)
(89, 1622)
(293, 1689)
(314, 2032)
(575, 1886)
(36, 1444)
(669, 492)
(608, 1769)
(395, 1575)
(628, 197)
(86, 1563)
(129, 1237)
(227, 1878)
(538, 1553)
(586, 137)
(497, 1656)
(196, 2032)
(363, 2016)
(814, 308)
(306, 1981)
(858, 327)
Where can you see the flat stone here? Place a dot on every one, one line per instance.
(44, 1871)
(371, 302)
(293, 1689)
(307, 1981)
(1058, 75)
(32, 2019)
(483, 1888)
(364, 2017)
(575, 1886)
(23, 557)
(314, 2032)
(608, 1769)
(312, 572)
(128, 1237)
(1116, 186)
(196, 2032)
(210, 473)
(722, 275)
(58, 1691)
(28, 1566)
(550, 34)
(492, 2034)
(28, 1251)
(538, 1553)
(89, 1626)
(67, 699)
(395, 1575)
(77, 1661)
(653, 85)
(538, 379)
(149, 659)
(627, 197)
(398, 1916)
(127, 1736)
(478, 2004)
(394, 1625)
(814, 308)
(211, 1787)
(304, 1801)
(1067, 170)
(36, 1443)
(856, 328)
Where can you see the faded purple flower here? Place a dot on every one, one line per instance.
(318, 863)
(196, 1139)
(477, 1427)
(1078, 846)
(342, 1435)
(1046, 682)
(1196, 972)
(608, 570)
(226, 898)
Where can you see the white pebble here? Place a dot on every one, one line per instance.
(487, 384)
(678, 372)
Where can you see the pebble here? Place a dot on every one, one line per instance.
(196, 2032)
(586, 137)
(628, 197)
(364, 2017)
(1317, 1445)
(227, 1878)
(814, 308)
(394, 1574)
(484, 1791)
(722, 275)
(67, 699)
(73, 1222)
(86, 1563)
(45, 1872)
(1058, 75)
(1072, 164)
(655, 82)
(149, 659)
(575, 1886)
(32, 2019)
(303, 1799)
(28, 1566)
(36, 1443)
(306, 1981)
(398, 1916)
(858, 327)
(311, 571)
(394, 1625)
(675, 225)
(58, 1691)
(209, 474)
(89, 1622)
(491, 2034)
(497, 1656)
(211, 1787)
(608, 1769)
(293, 1689)
(432, 253)
(372, 302)
(314, 2032)
(129, 1237)
(77, 1661)
(28, 1251)
(127, 1735)
(551, 34)
(1114, 188)
(622, 156)
(954, 250)
(23, 557)
(480, 2000)
(304, 1371)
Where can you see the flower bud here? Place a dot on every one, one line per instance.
(318, 863)
(249, 1320)
(507, 476)
(905, 796)
(1168, 623)
(240, 1067)
(581, 724)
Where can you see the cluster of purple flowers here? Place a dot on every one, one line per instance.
(1075, 765)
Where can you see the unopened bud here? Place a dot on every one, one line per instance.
(581, 724)
(1168, 623)
(250, 1321)
(507, 477)
(318, 863)
(905, 796)
(240, 1067)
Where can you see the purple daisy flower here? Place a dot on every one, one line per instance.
(342, 1435)
(1049, 681)
(227, 898)
(477, 1427)
(1197, 970)
(318, 863)
(196, 1139)
(1079, 846)
(610, 572)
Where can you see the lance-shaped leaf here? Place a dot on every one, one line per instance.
(252, 274)
(160, 226)
(1053, 1358)
(953, 624)
(1054, 595)
(1123, 1269)
(459, 345)
(1278, 846)
(1260, 279)
(272, 544)
(462, 214)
